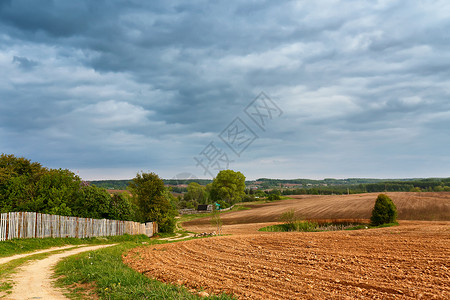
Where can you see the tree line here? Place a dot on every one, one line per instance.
(421, 185)
(226, 189)
(28, 186)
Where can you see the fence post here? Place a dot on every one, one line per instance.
(7, 227)
(18, 224)
(76, 228)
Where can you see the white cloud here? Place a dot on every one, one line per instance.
(155, 87)
(113, 114)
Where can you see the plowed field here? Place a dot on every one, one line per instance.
(410, 206)
(411, 261)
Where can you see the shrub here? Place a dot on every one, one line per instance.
(249, 198)
(223, 204)
(384, 211)
(273, 197)
(289, 217)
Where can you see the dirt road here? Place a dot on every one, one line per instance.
(4, 260)
(410, 261)
(33, 280)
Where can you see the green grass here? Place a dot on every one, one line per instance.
(19, 246)
(368, 226)
(307, 226)
(262, 201)
(303, 226)
(105, 274)
(190, 217)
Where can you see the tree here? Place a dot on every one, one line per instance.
(228, 186)
(274, 195)
(216, 220)
(384, 211)
(93, 202)
(122, 208)
(151, 199)
(55, 192)
(196, 192)
(17, 179)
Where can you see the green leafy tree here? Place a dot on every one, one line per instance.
(93, 202)
(27, 186)
(274, 195)
(122, 208)
(153, 204)
(17, 178)
(228, 186)
(384, 211)
(55, 192)
(216, 220)
(196, 192)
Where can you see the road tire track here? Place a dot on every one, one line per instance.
(34, 279)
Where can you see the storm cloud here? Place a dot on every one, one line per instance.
(110, 88)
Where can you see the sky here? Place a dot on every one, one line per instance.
(277, 89)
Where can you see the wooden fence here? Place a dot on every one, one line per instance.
(36, 225)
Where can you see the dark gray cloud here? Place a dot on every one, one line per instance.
(114, 87)
(24, 63)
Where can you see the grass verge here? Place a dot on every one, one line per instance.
(311, 226)
(190, 217)
(367, 226)
(19, 246)
(103, 273)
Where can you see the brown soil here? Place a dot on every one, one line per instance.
(410, 261)
(410, 206)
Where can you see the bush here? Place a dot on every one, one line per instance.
(249, 198)
(167, 224)
(289, 217)
(273, 197)
(384, 211)
(223, 204)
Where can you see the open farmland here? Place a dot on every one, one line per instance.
(410, 206)
(410, 261)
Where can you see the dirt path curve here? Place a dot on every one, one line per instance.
(33, 280)
(177, 237)
(5, 260)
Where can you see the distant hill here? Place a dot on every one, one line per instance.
(111, 184)
(310, 186)
(123, 183)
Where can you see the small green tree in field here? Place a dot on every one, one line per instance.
(216, 220)
(384, 211)
(290, 220)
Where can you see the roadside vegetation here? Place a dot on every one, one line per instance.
(103, 273)
(28, 186)
(8, 268)
(20, 246)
